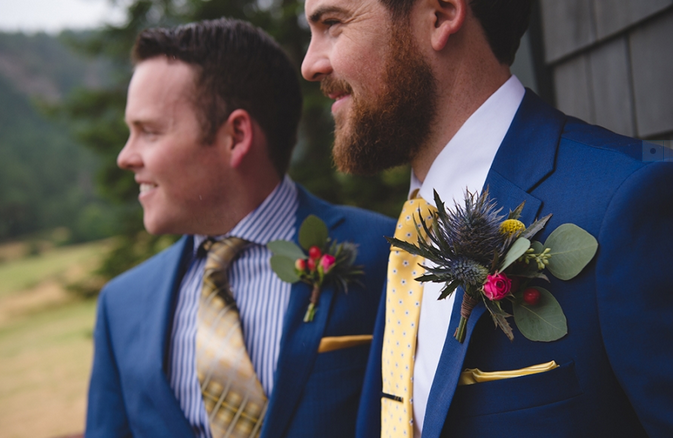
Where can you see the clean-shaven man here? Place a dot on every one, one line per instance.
(427, 82)
(204, 339)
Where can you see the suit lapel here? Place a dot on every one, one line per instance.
(526, 157)
(158, 336)
(300, 340)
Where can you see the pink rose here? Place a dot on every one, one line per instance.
(497, 286)
(327, 261)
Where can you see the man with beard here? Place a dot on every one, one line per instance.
(428, 83)
(204, 339)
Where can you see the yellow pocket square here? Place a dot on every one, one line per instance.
(474, 375)
(338, 342)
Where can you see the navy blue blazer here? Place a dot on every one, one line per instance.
(614, 378)
(315, 394)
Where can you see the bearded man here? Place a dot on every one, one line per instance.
(428, 82)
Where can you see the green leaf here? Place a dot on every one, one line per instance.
(535, 227)
(571, 249)
(499, 318)
(516, 213)
(543, 322)
(448, 289)
(313, 232)
(537, 246)
(284, 268)
(408, 247)
(286, 248)
(518, 248)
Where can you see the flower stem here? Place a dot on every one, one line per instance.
(465, 311)
(315, 295)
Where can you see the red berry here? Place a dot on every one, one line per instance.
(311, 265)
(531, 296)
(300, 265)
(314, 252)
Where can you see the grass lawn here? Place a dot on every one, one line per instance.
(45, 342)
(57, 263)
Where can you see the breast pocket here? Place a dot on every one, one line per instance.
(518, 393)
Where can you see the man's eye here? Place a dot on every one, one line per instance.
(330, 23)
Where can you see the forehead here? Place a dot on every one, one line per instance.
(315, 9)
(159, 83)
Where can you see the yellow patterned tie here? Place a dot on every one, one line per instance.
(403, 308)
(233, 397)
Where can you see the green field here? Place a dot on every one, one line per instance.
(45, 342)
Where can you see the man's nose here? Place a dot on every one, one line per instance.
(128, 157)
(316, 63)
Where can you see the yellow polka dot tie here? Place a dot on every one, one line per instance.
(233, 397)
(403, 308)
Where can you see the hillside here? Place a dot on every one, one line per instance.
(46, 178)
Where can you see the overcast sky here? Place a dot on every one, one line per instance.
(54, 15)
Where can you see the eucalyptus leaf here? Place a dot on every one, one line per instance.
(313, 232)
(284, 268)
(518, 248)
(544, 321)
(571, 249)
(537, 246)
(286, 248)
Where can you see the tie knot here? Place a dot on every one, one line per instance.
(414, 212)
(222, 252)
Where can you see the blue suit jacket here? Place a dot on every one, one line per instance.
(614, 377)
(314, 394)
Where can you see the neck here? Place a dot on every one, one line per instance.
(467, 74)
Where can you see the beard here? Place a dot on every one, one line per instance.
(387, 130)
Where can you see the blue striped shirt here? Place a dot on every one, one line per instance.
(261, 297)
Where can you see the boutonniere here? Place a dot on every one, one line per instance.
(494, 259)
(320, 259)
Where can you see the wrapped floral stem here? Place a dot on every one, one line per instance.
(466, 307)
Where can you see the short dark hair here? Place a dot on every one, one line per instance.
(503, 21)
(238, 66)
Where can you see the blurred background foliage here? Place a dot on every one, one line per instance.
(80, 189)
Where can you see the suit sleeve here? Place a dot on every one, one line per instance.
(106, 413)
(635, 293)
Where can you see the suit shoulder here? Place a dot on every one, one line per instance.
(602, 139)
(158, 264)
(366, 215)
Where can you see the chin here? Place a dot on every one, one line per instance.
(154, 227)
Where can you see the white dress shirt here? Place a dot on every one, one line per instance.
(463, 163)
(261, 297)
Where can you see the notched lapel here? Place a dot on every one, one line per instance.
(300, 340)
(166, 287)
(448, 370)
(298, 351)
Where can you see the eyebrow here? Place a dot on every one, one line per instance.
(317, 15)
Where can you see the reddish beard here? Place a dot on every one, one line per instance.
(387, 130)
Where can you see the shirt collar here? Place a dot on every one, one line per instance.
(466, 159)
(269, 221)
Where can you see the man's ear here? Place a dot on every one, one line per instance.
(449, 16)
(237, 134)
